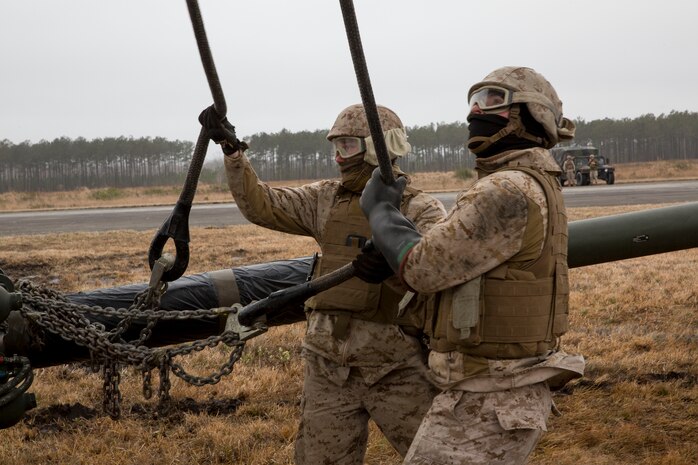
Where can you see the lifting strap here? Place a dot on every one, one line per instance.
(301, 292)
(357, 57)
(176, 226)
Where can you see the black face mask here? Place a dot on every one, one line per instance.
(484, 125)
(487, 125)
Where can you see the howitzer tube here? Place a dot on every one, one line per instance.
(630, 235)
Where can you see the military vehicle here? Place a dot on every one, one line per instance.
(580, 155)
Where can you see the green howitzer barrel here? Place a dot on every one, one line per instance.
(592, 241)
(630, 235)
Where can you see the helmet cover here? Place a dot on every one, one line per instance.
(352, 122)
(531, 88)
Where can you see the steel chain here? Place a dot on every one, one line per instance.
(53, 312)
(111, 402)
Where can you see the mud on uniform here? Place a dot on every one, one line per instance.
(359, 364)
(497, 271)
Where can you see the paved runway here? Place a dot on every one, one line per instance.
(150, 218)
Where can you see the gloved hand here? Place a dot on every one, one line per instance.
(377, 191)
(371, 266)
(221, 131)
(393, 234)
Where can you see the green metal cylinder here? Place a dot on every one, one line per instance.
(630, 235)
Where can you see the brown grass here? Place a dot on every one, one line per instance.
(658, 170)
(167, 195)
(635, 321)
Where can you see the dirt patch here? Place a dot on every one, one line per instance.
(59, 417)
(27, 270)
(56, 418)
(174, 410)
(38, 271)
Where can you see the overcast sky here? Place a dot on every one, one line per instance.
(98, 68)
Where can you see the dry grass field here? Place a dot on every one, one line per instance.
(635, 321)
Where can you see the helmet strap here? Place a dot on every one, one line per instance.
(479, 144)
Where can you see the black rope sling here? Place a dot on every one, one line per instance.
(176, 226)
(302, 292)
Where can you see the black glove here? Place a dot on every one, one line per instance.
(221, 131)
(377, 191)
(393, 234)
(370, 265)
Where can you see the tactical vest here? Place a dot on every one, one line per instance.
(518, 309)
(346, 231)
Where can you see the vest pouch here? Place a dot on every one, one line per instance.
(465, 304)
(517, 311)
(458, 315)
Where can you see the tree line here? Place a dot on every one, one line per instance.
(64, 164)
(646, 138)
(308, 154)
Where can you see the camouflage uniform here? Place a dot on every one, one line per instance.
(490, 411)
(593, 170)
(495, 274)
(569, 167)
(373, 369)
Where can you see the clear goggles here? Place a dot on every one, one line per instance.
(349, 146)
(491, 99)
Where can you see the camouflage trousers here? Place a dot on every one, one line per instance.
(482, 428)
(571, 181)
(334, 419)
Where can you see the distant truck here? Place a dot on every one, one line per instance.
(580, 155)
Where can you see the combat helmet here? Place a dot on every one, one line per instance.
(520, 85)
(352, 122)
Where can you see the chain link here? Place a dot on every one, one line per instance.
(53, 312)
(111, 402)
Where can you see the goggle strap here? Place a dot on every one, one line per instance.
(515, 126)
(533, 97)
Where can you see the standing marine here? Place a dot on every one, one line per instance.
(495, 270)
(569, 167)
(360, 363)
(593, 169)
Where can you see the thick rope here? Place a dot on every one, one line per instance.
(206, 58)
(364, 81)
(176, 226)
(303, 291)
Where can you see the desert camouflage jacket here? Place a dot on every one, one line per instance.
(484, 229)
(374, 348)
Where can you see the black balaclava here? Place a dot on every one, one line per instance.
(487, 125)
